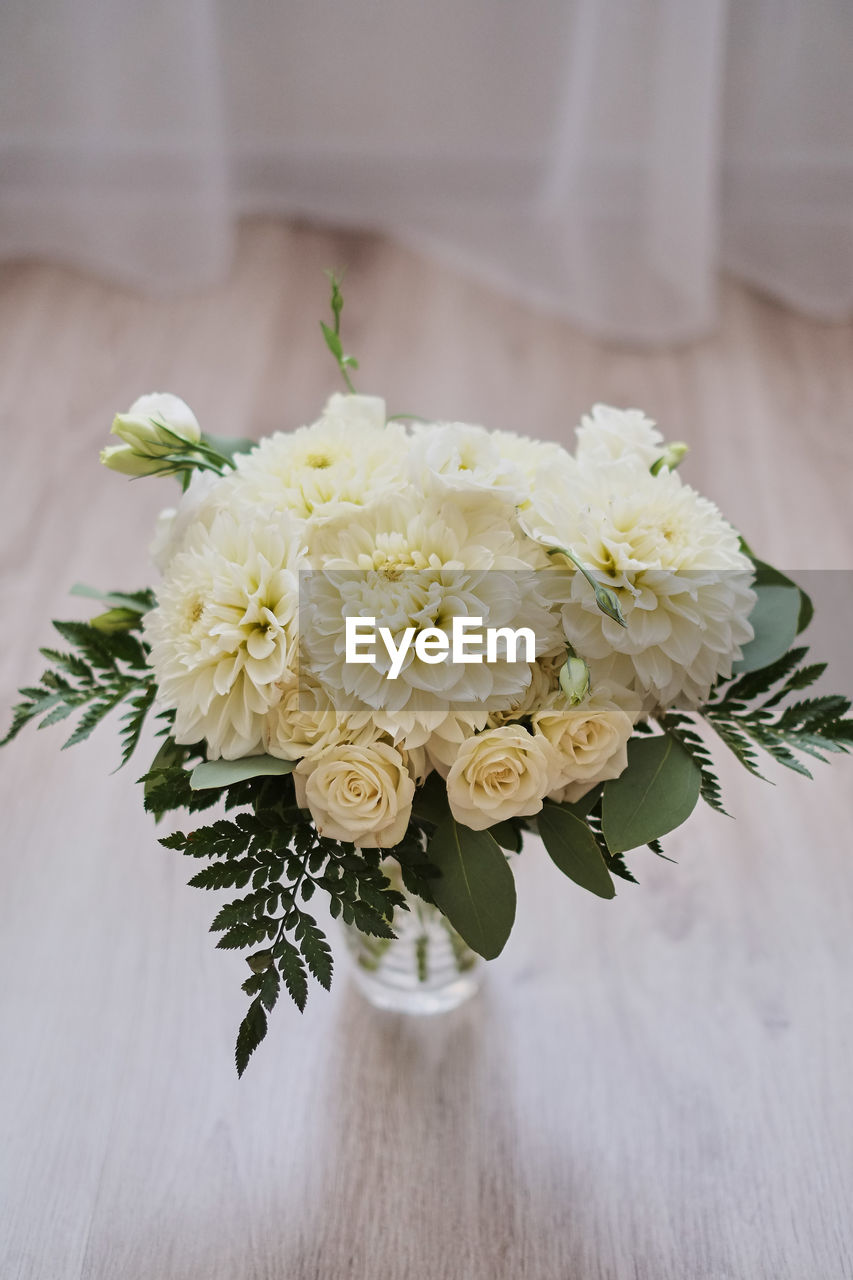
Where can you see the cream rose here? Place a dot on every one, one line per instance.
(590, 739)
(500, 773)
(304, 723)
(357, 793)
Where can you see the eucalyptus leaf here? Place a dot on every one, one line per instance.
(656, 793)
(430, 800)
(767, 576)
(222, 773)
(113, 598)
(775, 619)
(572, 847)
(586, 804)
(507, 835)
(476, 888)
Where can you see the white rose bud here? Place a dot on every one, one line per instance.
(498, 774)
(574, 680)
(156, 424)
(362, 794)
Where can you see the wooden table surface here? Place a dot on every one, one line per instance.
(654, 1087)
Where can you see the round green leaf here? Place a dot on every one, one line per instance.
(222, 773)
(775, 619)
(655, 794)
(476, 889)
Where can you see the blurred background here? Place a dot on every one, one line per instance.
(600, 159)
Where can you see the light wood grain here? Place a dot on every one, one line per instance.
(649, 1088)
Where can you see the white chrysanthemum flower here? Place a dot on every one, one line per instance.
(457, 455)
(414, 564)
(683, 583)
(224, 633)
(340, 463)
(609, 435)
(203, 498)
(531, 457)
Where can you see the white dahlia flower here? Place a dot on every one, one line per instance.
(410, 563)
(224, 633)
(531, 457)
(608, 435)
(540, 686)
(338, 464)
(683, 583)
(456, 455)
(203, 498)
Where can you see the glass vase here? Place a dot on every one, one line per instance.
(427, 968)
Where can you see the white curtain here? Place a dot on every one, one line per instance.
(601, 158)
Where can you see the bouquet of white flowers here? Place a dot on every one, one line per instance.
(395, 646)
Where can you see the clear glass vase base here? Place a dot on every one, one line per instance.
(426, 968)
(415, 998)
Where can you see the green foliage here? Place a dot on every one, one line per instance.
(99, 671)
(681, 726)
(271, 854)
(606, 599)
(755, 712)
(508, 835)
(227, 447)
(766, 575)
(775, 618)
(573, 848)
(252, 1030)
(476, 889)
(590, 809)
(137, 601)
(332, 333)
(656, 793)
(221, 773)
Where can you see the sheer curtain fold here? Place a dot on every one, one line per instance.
(113, 149)
(601, 159)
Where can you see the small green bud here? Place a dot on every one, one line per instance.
(260, 961)
(574, 680)
(115, 620)
(122, 458)
(672, 455)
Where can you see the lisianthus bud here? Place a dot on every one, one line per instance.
(574, 680)
(157, 423)
(124, 458)
(115, 620)
(670, 458)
